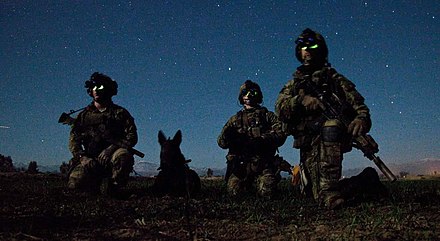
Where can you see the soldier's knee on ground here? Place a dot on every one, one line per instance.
(266, 184)
(122, 165)
(234, 185)
(77, 177)
(73, 183)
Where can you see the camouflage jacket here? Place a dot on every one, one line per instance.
(304, 124)
(93, 131)
(252, 132)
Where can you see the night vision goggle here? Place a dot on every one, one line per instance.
(98, 87)
(249, 92)
(307, 43)
(95, 85)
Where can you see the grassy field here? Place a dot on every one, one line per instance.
(39, 207)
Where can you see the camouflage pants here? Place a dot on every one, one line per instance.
(322, 166)
(90, 171)
(266, 183)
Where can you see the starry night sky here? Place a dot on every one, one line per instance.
(179, 65)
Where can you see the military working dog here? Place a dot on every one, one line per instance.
(175, 177)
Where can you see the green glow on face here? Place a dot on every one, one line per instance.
(251, 93)
(310, 47)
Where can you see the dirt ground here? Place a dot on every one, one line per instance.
(39, 207)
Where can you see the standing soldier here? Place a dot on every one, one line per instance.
(252, 137)
(100, 140)
(321, 140)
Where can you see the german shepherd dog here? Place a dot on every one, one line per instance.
(175, 177)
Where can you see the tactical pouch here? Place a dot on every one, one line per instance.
(256, 132)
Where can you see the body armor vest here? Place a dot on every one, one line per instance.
(252, 123)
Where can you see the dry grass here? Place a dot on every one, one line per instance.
(39, 207)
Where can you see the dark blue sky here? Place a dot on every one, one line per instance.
(179, 65)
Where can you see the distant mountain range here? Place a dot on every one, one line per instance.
(145, 168)
(427, 166)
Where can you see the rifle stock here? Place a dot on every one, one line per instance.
(66, 119)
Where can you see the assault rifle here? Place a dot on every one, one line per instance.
(66, 119)
(334, 108)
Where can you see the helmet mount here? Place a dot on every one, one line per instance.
(101, 83)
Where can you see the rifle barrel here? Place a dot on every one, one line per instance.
(137, 153)
(385, 170)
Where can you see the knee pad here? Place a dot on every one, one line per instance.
(332, 131)
(123, 157)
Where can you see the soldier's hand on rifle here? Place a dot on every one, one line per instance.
(357, 127)
(310, 103)
(107, 153)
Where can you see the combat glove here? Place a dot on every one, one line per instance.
(310, 103)
(357, 127)
(107, 153)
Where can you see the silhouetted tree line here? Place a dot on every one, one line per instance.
(209, 172)
(32, 168)
(6, 164)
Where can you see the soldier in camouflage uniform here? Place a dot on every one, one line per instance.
(322, 142)
(252, 137)
(100, 139)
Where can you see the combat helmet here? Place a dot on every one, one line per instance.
(253, 89)
(98, 79)
(311, 39)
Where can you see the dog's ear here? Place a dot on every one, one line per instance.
(161, 137)
(178, 137)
